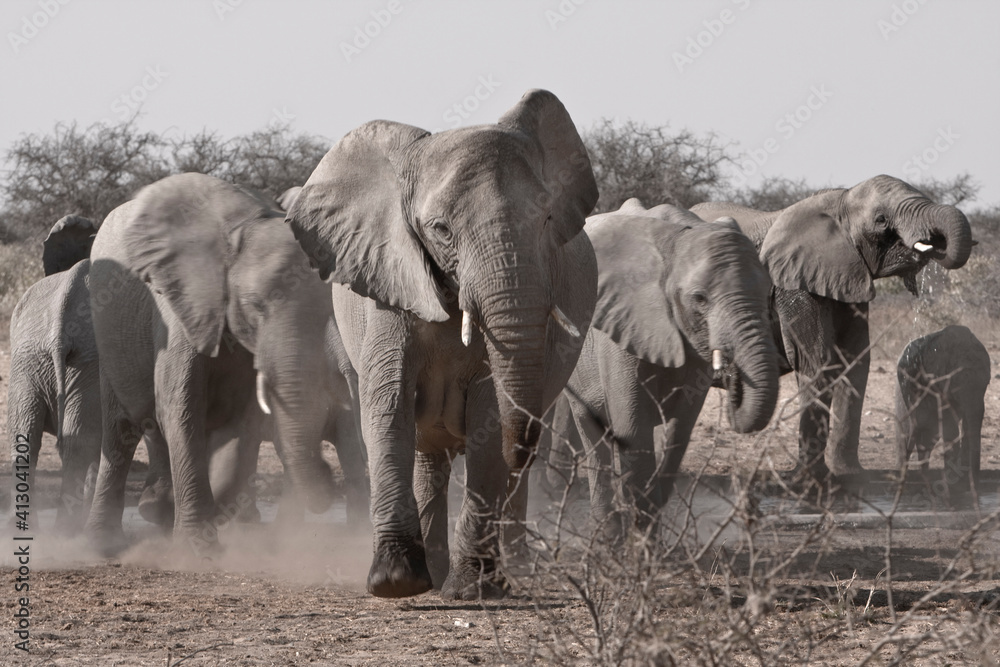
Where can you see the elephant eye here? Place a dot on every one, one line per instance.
(699, 299)
(441, 229)
(880, 218)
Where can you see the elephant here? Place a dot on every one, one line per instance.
(942, 379)
(822, 254)
(679, 303)
(202, 299)
(453, 255)
(231, 478)
(54, 384)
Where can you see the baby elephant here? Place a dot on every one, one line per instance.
(942, 380)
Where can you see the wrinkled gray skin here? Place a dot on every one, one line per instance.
(822, 254)
(671, 292)
(198, 287)
(54, 382)
(942, 379)
(231, 470)
(422, 227)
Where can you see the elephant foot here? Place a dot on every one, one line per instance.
(477, 580)
(202, 543)
(248, 514)
(611, 527)
(399, 570)
(804, 478)
(156, 505)
(842, 467)
(106, 541)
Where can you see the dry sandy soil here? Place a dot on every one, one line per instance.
(283, 595)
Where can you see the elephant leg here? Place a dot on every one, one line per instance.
(598, 444)
(972, 435)
(80, 448)
(814, 425)
(565, 450)
(387, 388)
(430, 486)
(156, 504)
(119, 440)
(346, 438)
(233, 464)
(849, 392)
(27, 413)
(513, 527)
(638, 400)
(682, 416)
(473, 573)
(180, 380)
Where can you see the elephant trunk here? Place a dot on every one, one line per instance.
(951, 223)
(514, 318)
(292, 385)
(298, 434)
(751, 376)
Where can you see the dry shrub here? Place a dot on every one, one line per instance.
(20, 268)
(749, 568)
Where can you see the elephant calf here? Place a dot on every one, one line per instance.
(54, 381)
(939, 399)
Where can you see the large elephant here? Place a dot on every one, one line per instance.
(469, 287)
(679, 303)
(198, 288)
(54, 382)
(942, 379)
(822, 254)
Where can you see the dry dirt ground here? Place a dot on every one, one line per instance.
(291, 595)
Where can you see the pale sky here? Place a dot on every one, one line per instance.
(835, 91)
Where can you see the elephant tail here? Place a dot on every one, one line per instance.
(59, 366)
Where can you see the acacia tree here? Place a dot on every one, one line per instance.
(652, 163)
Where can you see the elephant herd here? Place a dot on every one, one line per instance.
(426, 295)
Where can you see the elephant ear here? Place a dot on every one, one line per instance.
(350, 221)
(68, 242)
(806, 249)
(632, 306)
(566, 170)
(182, 240)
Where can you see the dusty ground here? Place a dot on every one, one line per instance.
(295, 595)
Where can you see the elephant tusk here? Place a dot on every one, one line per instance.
(718, 361)
(922, 247)
(261, 400)
(563, 321)
(466, 328)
